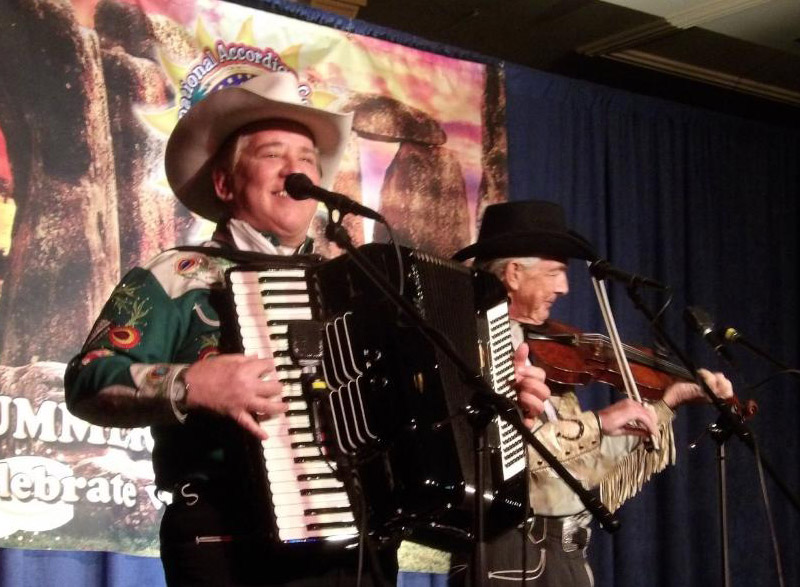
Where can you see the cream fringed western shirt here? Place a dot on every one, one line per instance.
(618, 465)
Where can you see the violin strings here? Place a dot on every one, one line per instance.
(639, 356)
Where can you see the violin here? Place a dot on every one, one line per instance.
(575, 358)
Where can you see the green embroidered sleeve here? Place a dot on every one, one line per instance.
(156, 322)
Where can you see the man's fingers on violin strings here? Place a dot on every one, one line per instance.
(530, 379)
(717, 382)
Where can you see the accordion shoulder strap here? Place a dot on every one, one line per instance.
(249, 257)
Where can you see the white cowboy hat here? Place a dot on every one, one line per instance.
(204, 128)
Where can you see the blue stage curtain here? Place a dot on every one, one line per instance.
(709, 205)
(35, 568)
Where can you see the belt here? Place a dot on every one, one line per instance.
(568, 531)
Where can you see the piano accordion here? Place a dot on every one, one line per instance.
(375, 436)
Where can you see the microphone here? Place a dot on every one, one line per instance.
(733, 336)
(601, 269)
(300, 187)
(730, 334)
(699, 320)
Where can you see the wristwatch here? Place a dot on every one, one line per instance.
(177, 395)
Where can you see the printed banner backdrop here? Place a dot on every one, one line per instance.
(85, 112)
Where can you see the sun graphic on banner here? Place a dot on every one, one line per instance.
(219, 64)
(223, 64)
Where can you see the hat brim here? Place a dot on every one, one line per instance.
(569, 245)
(204, 128)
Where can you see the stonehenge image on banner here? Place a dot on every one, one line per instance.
(86, 106)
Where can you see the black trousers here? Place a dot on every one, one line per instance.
(206, 542)
(552, 557)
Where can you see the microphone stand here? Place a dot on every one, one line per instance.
(736, 338)
(482, 408)
(728, 423)
(720, 435)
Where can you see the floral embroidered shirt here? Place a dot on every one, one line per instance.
(162, 317)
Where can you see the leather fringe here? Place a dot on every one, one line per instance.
(628, 477)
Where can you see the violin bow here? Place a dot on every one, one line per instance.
(628, 380)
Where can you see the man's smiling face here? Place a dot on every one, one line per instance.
(252, 184)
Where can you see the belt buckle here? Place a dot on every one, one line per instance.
(568, 543)
(568, 538)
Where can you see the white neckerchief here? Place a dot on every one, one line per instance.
(247, 238)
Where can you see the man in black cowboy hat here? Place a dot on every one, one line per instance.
(527, 246)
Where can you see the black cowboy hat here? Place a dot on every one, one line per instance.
(526, 229)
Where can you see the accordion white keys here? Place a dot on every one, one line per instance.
(307, 500)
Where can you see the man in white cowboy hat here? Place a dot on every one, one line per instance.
(527, 245)
(153, 358)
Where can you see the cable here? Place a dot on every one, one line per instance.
(768, 510)
(652, 324)
(795, 372)
(362, 530)
(400, 269)
(525, 517)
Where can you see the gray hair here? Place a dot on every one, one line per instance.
(227, 156)
(498, 266)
